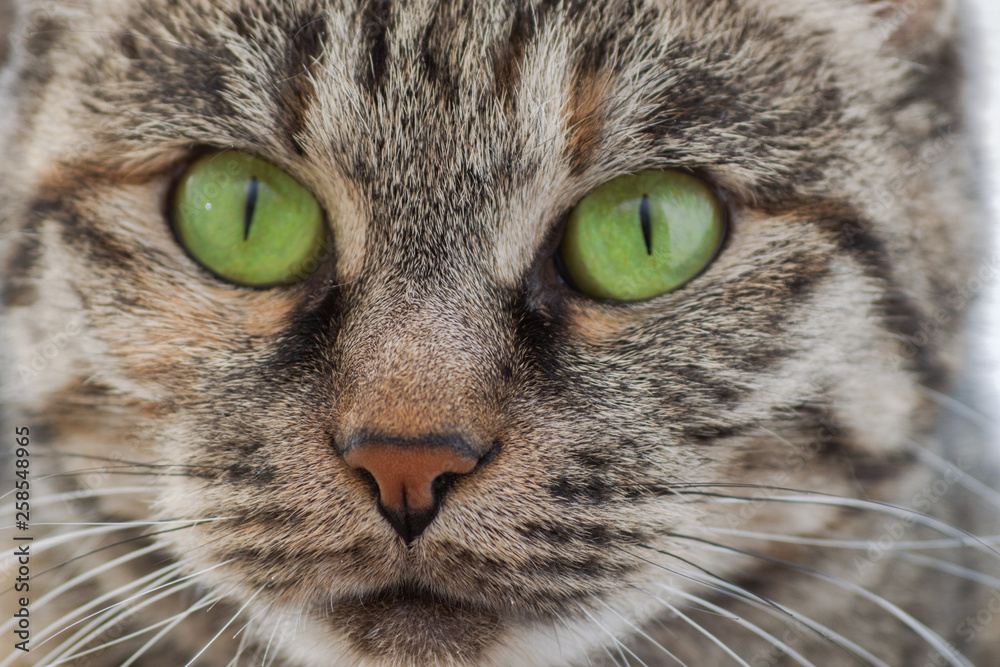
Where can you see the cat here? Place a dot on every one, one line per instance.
(451, 427)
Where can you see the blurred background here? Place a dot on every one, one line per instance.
(984, 102)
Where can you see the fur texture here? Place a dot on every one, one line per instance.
(740, 467)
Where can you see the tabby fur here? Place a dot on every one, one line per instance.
(791, 390)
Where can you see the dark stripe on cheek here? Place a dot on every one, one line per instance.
(41, 39)
(376, 28)
(78, 234)
(241, 473)
(17, 292)
(43, 34)
(901, 315)
(26, 254)
(101, 248)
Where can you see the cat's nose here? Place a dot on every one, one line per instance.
(411, 477)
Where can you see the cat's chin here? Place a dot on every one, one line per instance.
(409, 625)
(415, 627)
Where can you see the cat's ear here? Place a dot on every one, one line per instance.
(915, 24)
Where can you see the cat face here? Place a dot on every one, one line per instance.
(447, 145)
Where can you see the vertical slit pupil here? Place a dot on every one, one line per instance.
(252, 187)
(647, 223)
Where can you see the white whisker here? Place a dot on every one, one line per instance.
(964, 479)
(919, 628)
(56, 540)
(760, 632)
(267, 650)
(993, 540)
(108, 618)
(75, 581)
(171, 622)
(780, 612)
(127, 524)
(639, 631)
(607, 632)
(262, 612)
(949, 403)
(952, 568)
(160, 580)
(49, 632)
(694, 624)
(228, 623)
(242, 646)
(100, 529)
(965, 538)
(163, 578)
(83, 494)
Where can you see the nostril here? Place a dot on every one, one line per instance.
(443, 482)
(367, 478)
(490, 454)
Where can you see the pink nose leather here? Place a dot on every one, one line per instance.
(405, 474)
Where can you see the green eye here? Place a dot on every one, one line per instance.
(247, 221)
(641, 235)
